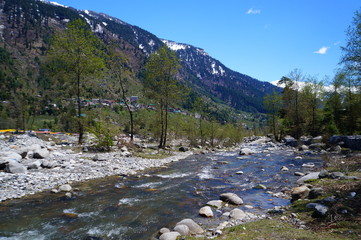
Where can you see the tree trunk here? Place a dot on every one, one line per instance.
(80, 139)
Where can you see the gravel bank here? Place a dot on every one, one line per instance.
(60, 165)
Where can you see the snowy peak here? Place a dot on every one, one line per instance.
(175, 46)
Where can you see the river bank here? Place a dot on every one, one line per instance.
(31, 165)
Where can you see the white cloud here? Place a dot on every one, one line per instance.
(322, 50)
(253, 11)
(337, 43)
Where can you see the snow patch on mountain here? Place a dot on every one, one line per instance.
(54, 3)
(175, 46)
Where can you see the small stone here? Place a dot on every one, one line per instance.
(260, 186)
(300, 192)
(239, 172)
(299, 174)
(65, 188)
(284, 169)
(231, 198)
(215, 203)
(246, 151)
(206, 212)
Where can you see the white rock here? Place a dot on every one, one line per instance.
(206, 212)
(65, 188)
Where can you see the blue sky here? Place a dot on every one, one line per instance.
(264, 39)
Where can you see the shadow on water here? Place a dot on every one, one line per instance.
(136, 207)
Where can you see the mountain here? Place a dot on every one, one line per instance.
(27, 26)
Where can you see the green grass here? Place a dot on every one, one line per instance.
(274, 229)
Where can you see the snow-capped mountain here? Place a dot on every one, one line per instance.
(35, 20)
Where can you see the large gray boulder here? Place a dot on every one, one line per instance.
(231, 198)
(33, 164)
(238, 214)
(41, 153)
(182, 229)
(310, 176)
(7, 156)
(15, 167)
(194, 228)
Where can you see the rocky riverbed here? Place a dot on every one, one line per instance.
(29, 165)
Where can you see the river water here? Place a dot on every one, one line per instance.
(136, 207)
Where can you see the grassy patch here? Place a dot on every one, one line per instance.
(269, 229)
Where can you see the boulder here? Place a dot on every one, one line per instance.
(284, 169)
(13, 166)
(164, 230)
(7, 156)
(237, 214)
(290, 141)
(245, 151)
(183, 149)
(299, 193)
(169, 236)
(315, 193)
(126, 154)
(352, 142)
(260, 186)
(48, 164)
(336, 175)
(182, 229)
(317, 146)
(194, 228)
(206, 212)
(96, 158)
(299, 174)
(310, 176)
(303, 148)
(317, 139)
(65, 188)
(33, 165)
(215, 203)
(41, 153)
(124, 149)
(231, 198)
(308, 165)
(320, 209)
(323, 174)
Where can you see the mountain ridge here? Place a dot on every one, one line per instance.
(200, 70)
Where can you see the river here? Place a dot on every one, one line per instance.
(136, 207)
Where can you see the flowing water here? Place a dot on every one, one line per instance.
(136, 207)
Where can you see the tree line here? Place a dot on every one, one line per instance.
(307, 107)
